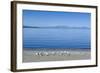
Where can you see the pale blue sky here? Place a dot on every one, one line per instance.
(48, 18)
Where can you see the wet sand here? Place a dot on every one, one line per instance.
(30, 55)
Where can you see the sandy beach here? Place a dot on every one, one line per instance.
(55, 55)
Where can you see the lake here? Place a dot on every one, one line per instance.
(56, 38)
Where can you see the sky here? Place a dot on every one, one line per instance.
(53, 18)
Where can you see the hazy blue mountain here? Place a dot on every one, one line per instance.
(67, 27)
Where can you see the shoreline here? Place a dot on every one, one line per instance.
(55, 49)
(55, 55)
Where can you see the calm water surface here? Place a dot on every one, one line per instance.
(56, 38)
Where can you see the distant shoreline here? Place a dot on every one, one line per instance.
(47, 27)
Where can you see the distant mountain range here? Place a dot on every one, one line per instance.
(67, 27)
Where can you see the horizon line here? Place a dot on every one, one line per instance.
(83, 27)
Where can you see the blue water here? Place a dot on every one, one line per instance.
(56, 38)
